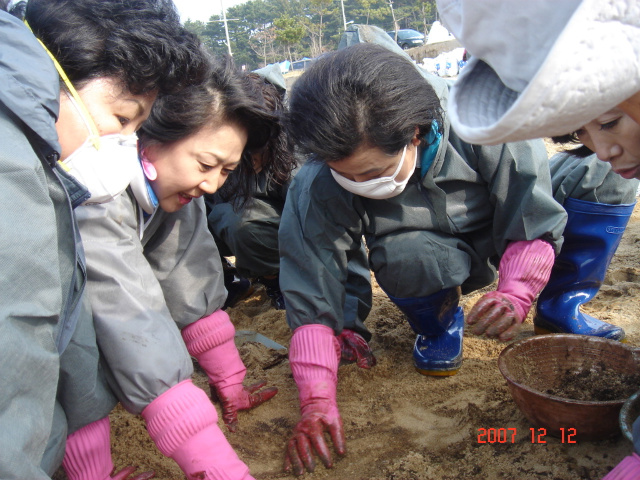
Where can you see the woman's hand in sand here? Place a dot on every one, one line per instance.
(495, 316)
(309, 437)
(238, 397)
(354, 348)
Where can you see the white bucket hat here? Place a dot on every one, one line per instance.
(540, 68)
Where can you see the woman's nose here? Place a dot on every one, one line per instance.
(211, 183)
(605, 149)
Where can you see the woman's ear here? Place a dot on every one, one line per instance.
(416, 139)
(148, 168)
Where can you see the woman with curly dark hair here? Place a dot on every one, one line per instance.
(245, 213)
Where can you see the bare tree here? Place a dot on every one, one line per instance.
(395, 22)
(316, 30)
(428, 14)
(262, 42)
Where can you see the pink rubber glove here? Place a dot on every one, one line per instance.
(627, 469)
(524, 270)
(210, 341)
(314, 355)
(355, 348)
(183, 423)
(87, 455)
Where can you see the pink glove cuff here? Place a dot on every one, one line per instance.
(210, 341)
(627, 469)
(208, 332)
(183, 424)
(314, 355)
(525, 269)
(87, 455)
(177, 415)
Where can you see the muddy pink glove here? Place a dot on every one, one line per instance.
(87, 455)
(183, 423)
(210, 341)
(314, 355)
(355, 348)
(524, 270)
(627, 469)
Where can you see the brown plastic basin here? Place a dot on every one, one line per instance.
(534, 365)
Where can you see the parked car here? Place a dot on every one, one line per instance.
(408, 38)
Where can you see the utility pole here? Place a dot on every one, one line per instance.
(226, 28)
(393, 15)
(344, 19)
(225, 20)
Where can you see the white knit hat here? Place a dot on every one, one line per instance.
(540, 68)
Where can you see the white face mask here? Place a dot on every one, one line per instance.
(106, 170)
(377, 188)
(104, 165)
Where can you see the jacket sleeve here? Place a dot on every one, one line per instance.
(185, 260)
(37, 256)
(137, 335)
(519, 183)
(320, 231)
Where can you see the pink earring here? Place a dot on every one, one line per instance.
(149, 170)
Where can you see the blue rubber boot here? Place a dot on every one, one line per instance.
(439, 323)
(591, 237)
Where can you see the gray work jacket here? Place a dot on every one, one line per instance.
(488, 196)
(145, 286)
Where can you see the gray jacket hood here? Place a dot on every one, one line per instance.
(30, 83)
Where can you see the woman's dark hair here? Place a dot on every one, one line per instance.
(278, 160)
(572, 139)
(226, 96)
(140, 42)
(362, 95)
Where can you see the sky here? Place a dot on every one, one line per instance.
(203, 9)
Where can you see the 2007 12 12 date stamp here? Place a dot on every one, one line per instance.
(535, 435)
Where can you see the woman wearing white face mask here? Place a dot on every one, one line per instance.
(99, 117)
(379, 187)
(438, 216)
(106, 164)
